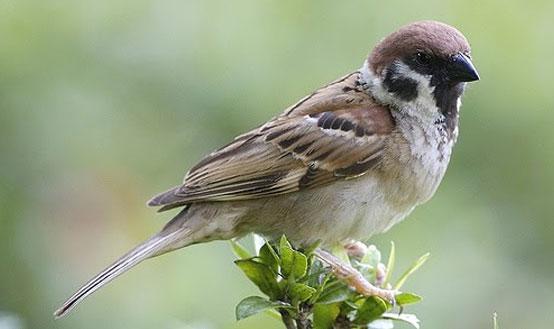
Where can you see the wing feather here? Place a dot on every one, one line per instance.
(337, 132)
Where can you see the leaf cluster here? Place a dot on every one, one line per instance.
(304, 293)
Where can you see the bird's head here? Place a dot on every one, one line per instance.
(423, 67)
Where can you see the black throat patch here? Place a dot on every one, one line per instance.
(445, 93)
(446, 98)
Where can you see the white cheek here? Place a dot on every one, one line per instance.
(425, 101)
(423, 106)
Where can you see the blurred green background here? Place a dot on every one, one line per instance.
(105, 103)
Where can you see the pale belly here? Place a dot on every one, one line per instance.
(353, 209)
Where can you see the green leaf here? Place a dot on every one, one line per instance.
(254, 305)
(311, 248)
(293, 263)
(284, 243)
(325, 315)
(317, 280)
(334, 294)
(349, 305)
(272, 313)
(261, 275)
(371, 310)
(301, 292)
(269, 257)
(407, 298)
(298, 266)
(317, 274)
(407, 318)
(239, 250)
(414, 267)
(390, 264)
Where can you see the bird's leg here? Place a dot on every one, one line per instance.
(353, 277)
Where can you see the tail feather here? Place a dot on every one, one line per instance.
(156, 245)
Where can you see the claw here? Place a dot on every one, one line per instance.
(388, 295)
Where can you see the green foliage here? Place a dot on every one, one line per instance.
(293, 263)
(406, 298)
(299, 287)
(325, 315)
(262, 276)
(255, 304)
(372, 309)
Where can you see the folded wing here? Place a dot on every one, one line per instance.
(338, 132)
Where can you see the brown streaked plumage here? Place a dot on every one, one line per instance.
(293, 151)
(347, 161)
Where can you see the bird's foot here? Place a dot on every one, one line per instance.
(356, 249)
(354, 278)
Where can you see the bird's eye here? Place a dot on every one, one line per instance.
(422, 59)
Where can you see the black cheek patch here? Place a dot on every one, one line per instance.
(404, 88)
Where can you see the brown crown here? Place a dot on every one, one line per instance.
(434, 38)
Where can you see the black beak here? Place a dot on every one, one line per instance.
(461, 69)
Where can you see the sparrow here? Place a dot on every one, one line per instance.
(349, 160)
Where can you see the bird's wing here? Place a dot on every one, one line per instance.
(337, 132)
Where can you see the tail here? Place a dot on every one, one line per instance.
(170, 238)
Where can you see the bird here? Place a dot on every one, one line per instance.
(348, 161)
